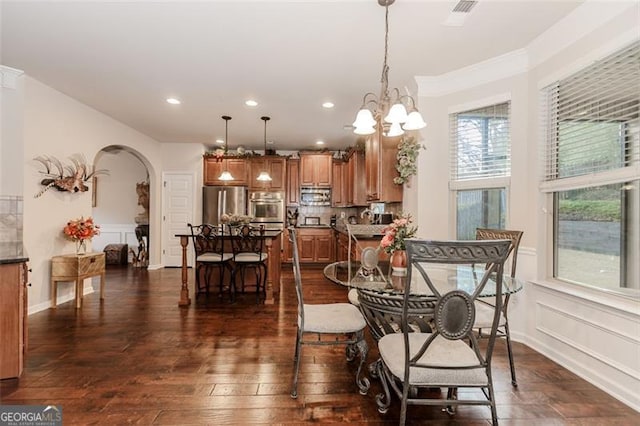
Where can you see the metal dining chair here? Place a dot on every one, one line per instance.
(330, 324)
(208, 243)
(484, 308)
(248, 253)
(449, 356)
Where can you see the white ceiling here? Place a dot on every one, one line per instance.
(125, 58)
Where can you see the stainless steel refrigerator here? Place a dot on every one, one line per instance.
(217, 200)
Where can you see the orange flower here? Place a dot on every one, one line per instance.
(81, 229)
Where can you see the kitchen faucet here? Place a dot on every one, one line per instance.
(366, 212)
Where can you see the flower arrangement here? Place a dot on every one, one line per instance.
(395, 234)
(80, 230)
(408, 151)
(235, 219)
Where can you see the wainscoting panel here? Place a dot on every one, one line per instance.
(597, 341)
(116, 234)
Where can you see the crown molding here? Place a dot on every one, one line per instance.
(586, 18)
(503, 66)
(9, 76)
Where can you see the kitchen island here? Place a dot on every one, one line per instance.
(272, 243)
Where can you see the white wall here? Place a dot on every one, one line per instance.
(57, 125)
(11, 123)
(591, 332)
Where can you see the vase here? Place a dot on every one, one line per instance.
(398, 262)
(81, 246)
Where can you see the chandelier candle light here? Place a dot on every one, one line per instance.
(264, 175)
(396, 119)
(225, 175)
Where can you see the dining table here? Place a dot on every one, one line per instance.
(272, 245)
(446, 277)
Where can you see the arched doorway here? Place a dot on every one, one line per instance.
(121, 202)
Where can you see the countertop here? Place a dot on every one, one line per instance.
(362, 231)
(12, 252)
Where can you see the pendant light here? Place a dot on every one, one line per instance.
(264, 175)
(225, 175)
(386, 111)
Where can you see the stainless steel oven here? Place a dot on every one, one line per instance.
(267, 208)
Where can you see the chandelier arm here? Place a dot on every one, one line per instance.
(365, 102)
(384, 78)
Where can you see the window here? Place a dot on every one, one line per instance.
(480, 167)
(592, 171)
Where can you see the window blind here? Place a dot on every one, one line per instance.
(481, 143)
(591, 118)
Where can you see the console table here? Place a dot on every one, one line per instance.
(76, 267)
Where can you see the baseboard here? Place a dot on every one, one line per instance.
(62, 299)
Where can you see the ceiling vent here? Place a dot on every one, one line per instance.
(459, 13)
(464, 6)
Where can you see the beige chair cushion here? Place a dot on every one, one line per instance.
(214, 257)
(353, 297)
(250, 257)
(332, 318)
(441, 352)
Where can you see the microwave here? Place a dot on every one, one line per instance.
(315, 196)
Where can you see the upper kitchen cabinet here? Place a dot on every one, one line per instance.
(357, 187)
(293, 182)
(340, 184)
(238, 167)
(275, 166)
(315, 169)
(380, 164)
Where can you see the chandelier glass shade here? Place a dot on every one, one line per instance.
(264, 175)
(225, 175)
(384, 110)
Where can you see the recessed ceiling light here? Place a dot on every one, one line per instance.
(319, 142)
(251, 103)
(328, 105)
(173, 101)
(270, 142)
(220, 141)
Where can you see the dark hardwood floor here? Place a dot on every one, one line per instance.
(139, 358)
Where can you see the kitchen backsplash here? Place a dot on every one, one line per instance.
(10, 219)
(324, 213)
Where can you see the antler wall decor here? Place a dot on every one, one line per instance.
(69, 177)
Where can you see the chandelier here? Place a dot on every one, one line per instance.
(225, 175)
(264, 175)
(396, 119)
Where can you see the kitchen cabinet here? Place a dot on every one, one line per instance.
(315, 245)
(342, 246)
(315, 169)
(293, 182)
(238, 167)
(276, 166)
(340, 184)
(342, 249)
(380, 168)
(13, 318)
(357, 186)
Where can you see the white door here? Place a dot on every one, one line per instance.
(177, 211)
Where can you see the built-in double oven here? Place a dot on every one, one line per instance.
(267, 208)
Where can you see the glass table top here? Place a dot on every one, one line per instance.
(444, 277)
